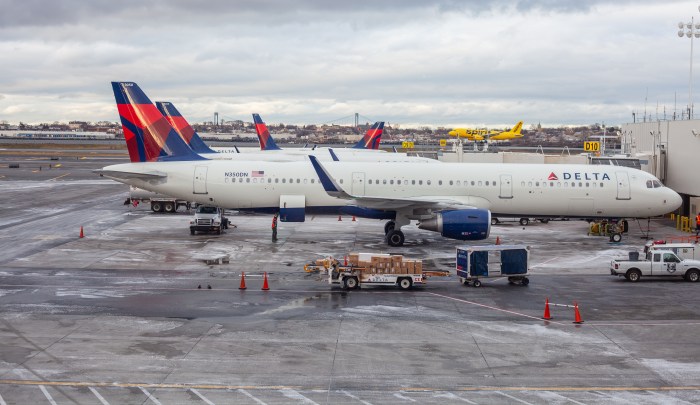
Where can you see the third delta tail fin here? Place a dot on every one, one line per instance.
(149, 136)
(372, 137)
(180, 124)
(266, 141)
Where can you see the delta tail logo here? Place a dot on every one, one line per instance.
(552, 176)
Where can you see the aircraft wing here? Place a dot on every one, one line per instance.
(334, 189)
(435, 203)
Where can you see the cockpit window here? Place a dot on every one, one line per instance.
(654, 184)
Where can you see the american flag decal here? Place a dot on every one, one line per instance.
(258, 173)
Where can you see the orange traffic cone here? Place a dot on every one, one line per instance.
(346, 261)
(577, 315)
(498, 240)
(82, 235)
(242, 287)
(353, 219)
(546, 310)
(340, 218)
(265, 287)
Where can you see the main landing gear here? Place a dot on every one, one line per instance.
(394, 237)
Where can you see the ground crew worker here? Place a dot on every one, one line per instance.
(697, 223)
(274, 228)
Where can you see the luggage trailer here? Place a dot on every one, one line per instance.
(490, 261)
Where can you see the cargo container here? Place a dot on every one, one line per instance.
(478, 262)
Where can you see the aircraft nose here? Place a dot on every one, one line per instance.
(673, 200)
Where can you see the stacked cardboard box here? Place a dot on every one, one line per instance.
(387, 264)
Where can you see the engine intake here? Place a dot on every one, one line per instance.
(472, 224)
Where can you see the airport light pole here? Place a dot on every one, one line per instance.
(692, 31)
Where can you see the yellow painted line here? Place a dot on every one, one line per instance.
(297, 387)
(56, 178)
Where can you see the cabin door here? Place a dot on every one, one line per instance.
(199, 183)
(506, 186)
(358, 183)
(623, 186)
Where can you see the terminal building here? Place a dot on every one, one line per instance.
(673, 149)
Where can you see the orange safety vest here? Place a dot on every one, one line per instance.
(697, 220)
(274, 222)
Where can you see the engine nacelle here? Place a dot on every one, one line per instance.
(472, 224)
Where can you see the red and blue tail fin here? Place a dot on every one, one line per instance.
(372, 137)
(266, 141)
(180, 124)
(149, 136)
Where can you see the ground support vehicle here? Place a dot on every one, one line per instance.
(613, 230)
(684, 250)
(521, 221)
(208, 219)
(475, 263)
(159, 202)
(661, 263)
(362, 269)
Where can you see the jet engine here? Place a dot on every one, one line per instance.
(471, 224)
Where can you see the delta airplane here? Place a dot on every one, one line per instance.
(454, 199)
(370, 140)
(485, 134)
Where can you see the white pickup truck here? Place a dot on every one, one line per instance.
(659, 263)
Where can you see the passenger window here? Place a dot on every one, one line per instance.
(384, 181)
(277, 180)
(427, 182)
(413, 182)
(650, 184)
(601, 184)
(247, 180)
(459, 183)
(391, 181)
(573, 184)
(487, 183)
(559, 184)
(341, 181)
(451, 182)
(587, 184)
(313, 181)
(240, 179)
(479, 183)
(298, 181)
(398, 182)
(551, 184)
(420, 182)
(537, 184)
(284, 180)
(529, 184)
(580, 184)
(305, 180)
(370, 181)
(439, 182)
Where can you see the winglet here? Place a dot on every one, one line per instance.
(266, 141)
(372, 137)
(331, 187)
(182, 127)
(333, 155)
(394, 148)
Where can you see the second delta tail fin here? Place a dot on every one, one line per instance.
(180, 124)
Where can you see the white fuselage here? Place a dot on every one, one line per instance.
(506, 189)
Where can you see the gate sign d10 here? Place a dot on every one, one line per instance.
(591, 146)
(407, 145)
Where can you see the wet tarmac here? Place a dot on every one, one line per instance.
(125, 315)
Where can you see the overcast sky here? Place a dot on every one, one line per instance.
(407, 62)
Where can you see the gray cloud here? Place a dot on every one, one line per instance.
(422, 62)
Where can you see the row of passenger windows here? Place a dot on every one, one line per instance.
(580, 184)
(457, 183)
(370, 181)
